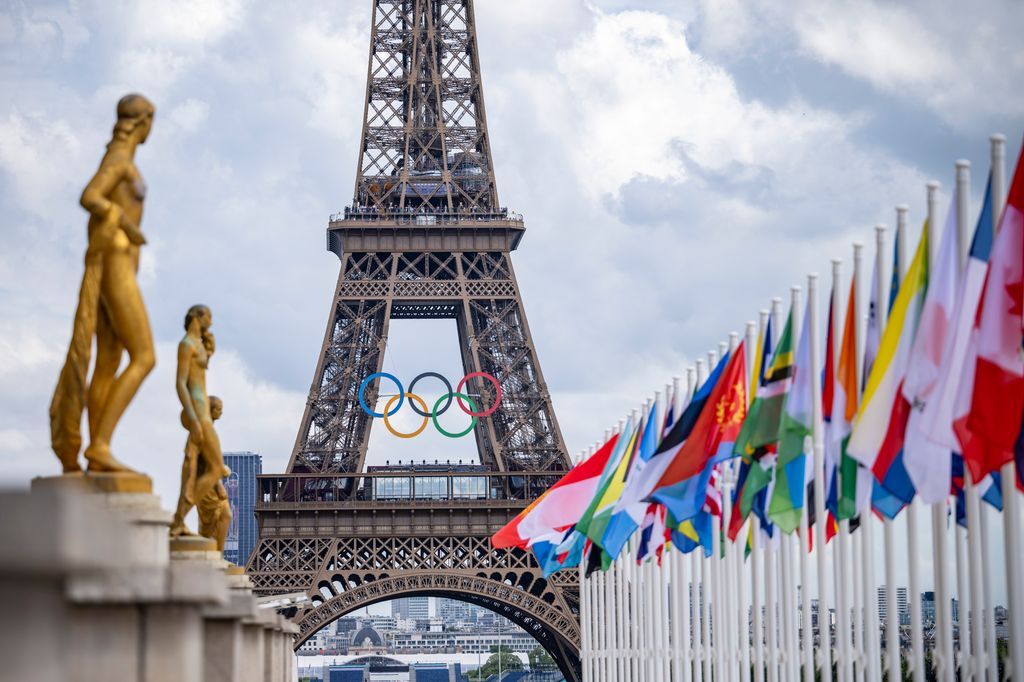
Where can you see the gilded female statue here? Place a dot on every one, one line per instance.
(194, 353)
(110, 306)
(214, 509)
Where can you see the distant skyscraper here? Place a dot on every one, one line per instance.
(455, 611)
(241, 487)
(902, 603)
(928, 607)
(411, 608)
(883, 602)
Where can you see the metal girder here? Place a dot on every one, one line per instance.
(425, 238)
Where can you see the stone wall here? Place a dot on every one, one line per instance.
(90, 592)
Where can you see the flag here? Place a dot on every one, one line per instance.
(762, 353)
(560, 506)
(928, 464)
(683, 486)
(761, 427)
(599, 513)
(873, 331)
(791, 468)
(990, 430)
(877, 438)
(627, 515)
(639, 486)
(939, 413)
(850, 482)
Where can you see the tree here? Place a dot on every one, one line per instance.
(540, 659)
(502, 659)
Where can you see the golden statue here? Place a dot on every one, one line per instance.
(214, 509)
(194, 353)
(110, 306)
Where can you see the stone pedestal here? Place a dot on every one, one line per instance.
(93, 590)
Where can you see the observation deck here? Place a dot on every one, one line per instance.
(370, 229)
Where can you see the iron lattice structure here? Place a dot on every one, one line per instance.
(424, 238)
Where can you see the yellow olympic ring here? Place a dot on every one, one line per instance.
(411, 396)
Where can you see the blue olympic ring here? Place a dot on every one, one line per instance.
(448, 397)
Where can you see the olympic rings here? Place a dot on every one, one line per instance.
(383, 375)
(419, 406)
(447, 385)
(497, 389)
(412, 398)
(460, 434)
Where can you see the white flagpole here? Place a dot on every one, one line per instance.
(701, 664)
(820, 516)
(1012, 531)
(757, 556)
(975, 529)
(804, 539)
(944, 655)
(844, 654)
(777, 631)
(690, 576)
(710, 602)
(862, 539)
(788, 573)
(745, 641)
(913, 555)
(892, 616)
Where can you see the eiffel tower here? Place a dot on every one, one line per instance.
(425, 238)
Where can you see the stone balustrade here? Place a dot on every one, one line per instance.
(90, 591)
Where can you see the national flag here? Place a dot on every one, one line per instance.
(627, 514)
(639, 487)
(851, 482)
(990, 431)
(561, 505)
(791, 468)
(877, 438)
(928, 464)
(683, 486)
(761, 427)
(939, 413)
(652, 537)
(599, 513)
(762, 354)
(873, 330)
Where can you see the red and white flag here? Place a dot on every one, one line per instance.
(988, 429)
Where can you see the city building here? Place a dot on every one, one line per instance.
(455, 612)
(883, 603)
(241, 489)
(928, 607)
(903, 606)
(411, 608)
(517, 641)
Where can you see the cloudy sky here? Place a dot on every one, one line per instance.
(678, 164)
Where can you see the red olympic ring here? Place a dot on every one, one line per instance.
(497, 389)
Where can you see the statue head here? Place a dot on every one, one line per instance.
(134, 118)
(216, 407)
(201, 313)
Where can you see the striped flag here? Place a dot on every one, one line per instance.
(877, 438)
(852, 484)
(761, 427)
(791, 467)
(990, 430)
(927, 463)
(628, 513)
(560, 506)
(683, 486)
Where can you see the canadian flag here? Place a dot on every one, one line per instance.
(989, 429)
